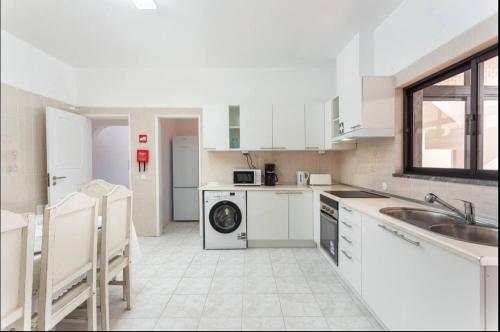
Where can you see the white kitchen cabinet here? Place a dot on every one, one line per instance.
(315, 126)
(215, 126)
(350, 256)
(366, 105)
(349, 85)
(317, 218)
(300, 215)
(413, 285)
(256, 126)
(288, 127)
(267, 215)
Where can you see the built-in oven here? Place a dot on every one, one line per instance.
(329, 226)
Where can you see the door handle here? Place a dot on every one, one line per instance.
(346, 254)
(55, 178)
(346, 224)
(346, 239)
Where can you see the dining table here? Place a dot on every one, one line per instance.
(135, 251)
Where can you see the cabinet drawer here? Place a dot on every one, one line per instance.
(350, 268)
(349, 214)
(349, 228)
(350, 245)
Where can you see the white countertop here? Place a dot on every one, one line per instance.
(232, 187)
(483, 255)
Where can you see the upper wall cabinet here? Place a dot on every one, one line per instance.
(215, 127)
(365, 105)
(288, 127)
(256, 126)
(221, 127)
(315, 126)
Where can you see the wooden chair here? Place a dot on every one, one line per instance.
(69, 261)
(96, 188)
(18, 235)
(115, 247)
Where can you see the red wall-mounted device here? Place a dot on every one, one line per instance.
(142, 159)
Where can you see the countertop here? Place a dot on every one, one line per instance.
(483, 255)
(232, 187)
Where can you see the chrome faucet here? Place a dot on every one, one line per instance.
(468, 215)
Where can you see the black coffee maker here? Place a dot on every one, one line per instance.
(270, 177)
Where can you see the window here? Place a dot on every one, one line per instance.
(451, 120)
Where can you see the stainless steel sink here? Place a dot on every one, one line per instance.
(445, 224)
(469, 233)
(420, 217)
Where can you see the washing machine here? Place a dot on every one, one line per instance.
(225, 219)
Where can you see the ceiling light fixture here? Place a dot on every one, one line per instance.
(145, 4)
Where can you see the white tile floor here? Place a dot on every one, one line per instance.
(179, 286)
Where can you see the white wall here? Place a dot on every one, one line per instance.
(110, 151)
(30, 69)
(417, 27)
(195, 87)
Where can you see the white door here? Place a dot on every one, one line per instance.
(300, 215)
(256, 126)
(267, 215)
(215, 124)
(315, 126)
(288, 127)
(69, 154)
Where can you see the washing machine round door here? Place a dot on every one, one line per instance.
(225, 217)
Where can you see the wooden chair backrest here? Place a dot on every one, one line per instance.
(18, 233)
(96, 188)
(116, 220)
(69, 241)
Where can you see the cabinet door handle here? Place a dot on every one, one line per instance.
(416, 243)
(346, 239)
(279, 148)
(281, 193)
(295, 192)
(266, 148)
(346, 254)
(346, 224)
(209, 148)
(384, 227)
(346, 209)
(356, 126)
(312, 148)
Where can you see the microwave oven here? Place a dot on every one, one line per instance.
(247, 177)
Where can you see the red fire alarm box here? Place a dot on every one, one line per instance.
(142, 159)
(143, 138)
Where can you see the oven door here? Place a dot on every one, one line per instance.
(329, 235)
(244, 177)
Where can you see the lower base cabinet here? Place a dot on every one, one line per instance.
(280, 215)
(267, 215)
(413, 285)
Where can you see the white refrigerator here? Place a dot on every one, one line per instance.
(185, 177)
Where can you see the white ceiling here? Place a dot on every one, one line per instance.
(192, 33)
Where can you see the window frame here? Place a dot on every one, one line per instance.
(472, 119)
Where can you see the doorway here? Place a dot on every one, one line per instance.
(178, 171)
(111, 150)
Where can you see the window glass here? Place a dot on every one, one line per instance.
(488, 115)
(439, 113)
